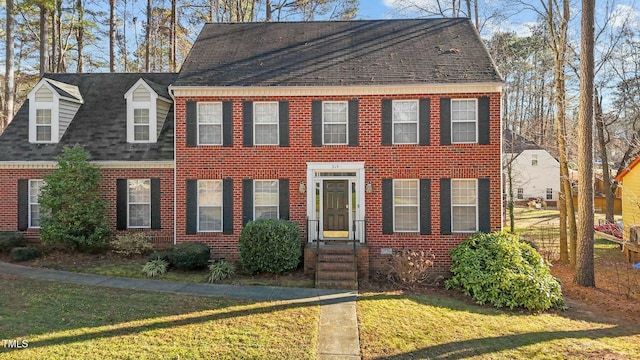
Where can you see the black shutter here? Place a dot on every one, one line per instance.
(192, 207)
(387, 122)
(445, 206)
(23, 204)
(353, 122)
(483, 121)
(484, 205)
(425, 121)
(247, 201)
(445, 121)
(227, 123)
(316, 123)
(227, 206)
(387, 206)
(284, 198)
(121, 204)
(156, 205)
(284, 122)
(192, 123)
(247, 123)
(425, 206)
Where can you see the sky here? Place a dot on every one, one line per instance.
(373, 9)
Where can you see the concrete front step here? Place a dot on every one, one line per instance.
(337, 284)
(337, 275)
(337, 266)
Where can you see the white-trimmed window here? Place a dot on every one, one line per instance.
(406, 202)
(405, 121)
(43, 125)
(209, 123)
(139, 203)
(464, 120)
(520, 195)
(35, 187)
(335, 120)
(141, 124)
(549, 193)
(209, 205)
(464, 205)
(265, 199)
(265, 122)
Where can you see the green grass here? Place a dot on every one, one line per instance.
(83, 322)
(400, 326)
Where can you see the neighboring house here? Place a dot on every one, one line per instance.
(386, 132)
(629, 180)
(125, 121)
(535, 173)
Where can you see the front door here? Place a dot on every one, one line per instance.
(335, 208)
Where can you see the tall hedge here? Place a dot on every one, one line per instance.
(271, 246)
(501, 270)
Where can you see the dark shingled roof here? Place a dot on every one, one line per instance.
(100, 125)
(515, 144)
(330, 53)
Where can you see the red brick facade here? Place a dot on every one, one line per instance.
(395, 162)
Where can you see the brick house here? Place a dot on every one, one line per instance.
(385, 133)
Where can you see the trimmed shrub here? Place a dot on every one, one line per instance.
(499, 269)
(220, 271)
(271, 246)
(137, 243)
(155, 267)
(10, 240)
(23, 253)
(187, 256)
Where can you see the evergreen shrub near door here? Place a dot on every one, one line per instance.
(186, 256)
(271, 246)
(500, 269)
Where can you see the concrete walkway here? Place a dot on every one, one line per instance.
(338, 333)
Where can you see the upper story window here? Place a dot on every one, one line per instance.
(209, 115)
(534, 159)
(146, 112)
(52, 106)
(405, 121)
(335, 117)
(141, 124)
(464, 120)
(265, 122)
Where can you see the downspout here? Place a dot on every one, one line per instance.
(175, 176)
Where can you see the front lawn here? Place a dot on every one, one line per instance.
(83, 322)
(394, 325)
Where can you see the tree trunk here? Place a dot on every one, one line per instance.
(44, 39)
(9, 80)
(584, 275)
(608, 186)
(80, 36)
(562, 206)
(174, 19)
(112, 36)
(60, 62)
(147, 37)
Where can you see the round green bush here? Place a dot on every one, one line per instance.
(499, 269)
(271, 246)
(187, 256)
(23, 253)
(10, 240)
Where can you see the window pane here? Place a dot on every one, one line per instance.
(141, 132)
(140, 191)
(266, 134)
(43, 116)
(210, 218)
(209, 113)
(405, 192)
(210, 134)
(406, 218)
(405, 133)
(35, 188)
(266, 212)
(43, 133)
(463, 110)
(141, 116)
(35, 215)
(463, 192)
(464, 218)
(335, 134)
(335, 112)
(405, 111)
(139, 215)
(209, 192)
(265, 113)
(463, 132)
(266, 192)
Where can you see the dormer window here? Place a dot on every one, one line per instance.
(147, 108)
(52, 106)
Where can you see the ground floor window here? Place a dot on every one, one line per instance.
(520, 195)
(139, 203)
(406, 202)
(549, 193)
(209, 205)
(35, 188)
(464, 205)
(265, 199)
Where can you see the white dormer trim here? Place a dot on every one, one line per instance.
(58, 125)
(150, 105)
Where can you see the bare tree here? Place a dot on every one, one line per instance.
(112, 35)
(9, 80)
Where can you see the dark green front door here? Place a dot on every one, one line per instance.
(335, 208)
